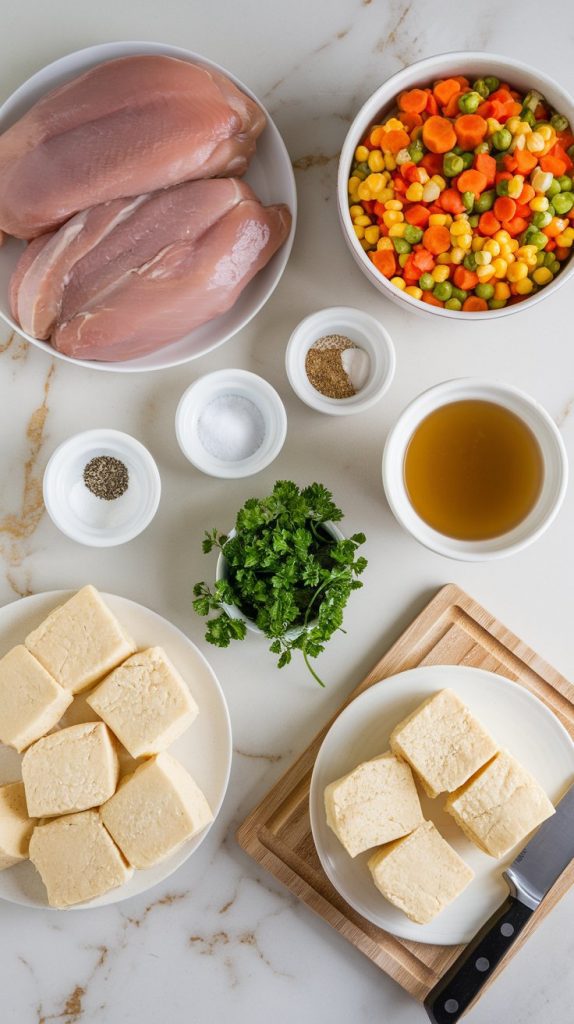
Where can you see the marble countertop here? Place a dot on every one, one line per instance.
(220, 940)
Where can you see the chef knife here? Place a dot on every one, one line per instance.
(529, 878)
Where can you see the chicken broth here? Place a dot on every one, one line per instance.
(473, 470)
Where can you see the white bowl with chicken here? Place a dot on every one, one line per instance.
(71, 305)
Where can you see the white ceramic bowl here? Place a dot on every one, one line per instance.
(553, 454)
(82, 516)
(472, 64)
(369, 335)
(270, 174)
(245, 385)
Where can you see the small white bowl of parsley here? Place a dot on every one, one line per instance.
(285, 571)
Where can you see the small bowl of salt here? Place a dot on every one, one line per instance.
(340, 360)
(230, 423)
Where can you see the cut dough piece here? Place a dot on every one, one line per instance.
(70, 770)
(155, 810)
(373, 804)
(31, 701)
(80, 641)
(145, 702)
(77, 859)
(500, 806)
(420, 874)
(15, 825)
(443, 742)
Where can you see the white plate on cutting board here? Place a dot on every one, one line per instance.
(517, 721)
(204, 749)
(270, 174)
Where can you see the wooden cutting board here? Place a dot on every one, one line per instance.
(452, 630)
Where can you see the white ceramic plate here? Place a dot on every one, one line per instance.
(517, 721)
(204, 750)
(270, 174)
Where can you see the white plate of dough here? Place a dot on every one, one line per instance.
(517, 721)
(204, 749)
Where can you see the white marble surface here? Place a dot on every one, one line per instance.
(221, 940)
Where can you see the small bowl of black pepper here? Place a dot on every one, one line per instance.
(101, 487)
(340, 360)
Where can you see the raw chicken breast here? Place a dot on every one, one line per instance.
(126, 127)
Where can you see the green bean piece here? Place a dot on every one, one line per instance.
(492, 82)
(473, 220)
(485, 201)
(559, 123)
(452, 164)
(401, 246)
(426, 282)
(570, 151)
(416, 151)
(442, 291)
(469, 261)
(467, 160)
(528, 116)
(363, 168)
(481, 88)
(469, 102)
(532, 99)
(468, 201)
(541, 257)
(502, 187)
(453, 303)
(501, 139)
(412, 234)
(484, 291)
(563, 203)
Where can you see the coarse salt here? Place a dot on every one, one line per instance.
(231, 428)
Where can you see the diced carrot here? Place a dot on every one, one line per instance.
(554, 228)
(438, 135)
(504, 208)
(470, 130)
(541, 113)
(527, 193)
(554, 164)
(525, 161)
(488, 223)
(561, 252)
(465, 279)
(503, 176)
(380, 208)
(432, 163)
(436, 239)
(451, 109)
(391, 142)
(444, 91)
(414, 101)
(410, 269)
(559, 152)
(462, 81)
(417, 214)
(485, 109)
(515, 225)
(410, 172)
(471, 181)
(385, 261)
(430, 300)
(502, 94)
(523, 210)
(486, 163)
(410, 121)
(374, 137)
(432, 105)
(474, 305)
(551, 246)
(565, 139)
(368, 205)
(509, 163)
(399, 184)
(451, 201)
(423, 260)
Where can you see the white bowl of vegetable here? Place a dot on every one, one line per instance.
(286, 571)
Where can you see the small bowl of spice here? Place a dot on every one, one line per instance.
(101, 487)
(340, 360)
(230, 423)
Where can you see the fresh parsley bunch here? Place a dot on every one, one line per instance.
(285, 572)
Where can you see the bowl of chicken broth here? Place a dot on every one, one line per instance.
(474, 469)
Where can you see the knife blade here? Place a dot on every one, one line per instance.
(530, 876)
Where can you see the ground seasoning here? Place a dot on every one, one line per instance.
(329, 371)
(106, 477)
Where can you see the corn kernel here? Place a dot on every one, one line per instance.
(359, 231)
(385, 194)
(439, 180)
(513, 244)
(541, 181)
(384, 243)
(515, 186)
(506, 254)
(403, 157)
(403, 257)
(512, 124)
(397, 230)
(372, 234)
(518, 142)
(546, 131)
(539, 204)
(564, 239)
(437, 218)
(449, 220)
(361, 154)
(460, 227)
(523, 128)
(393, 204)
(431, 192)
(483, 258)
(390, 162)
(376, 161)
(356, 211)
(492, 126)
(502, 236)
(446, 257)
(491, 246)
(415, 192)
(363, 220)
(499, 266)
(354, 183)
(391, 217)
(517, 271)
(542, 275)
(534, 142)
(526, 252)
(365, 244)
(393, 125)
(364, 191)
(398, 283)
(465, 241)
(417, 293)
(484, 274)
(478, 242)
(440, 273)
(375, 183)
(501, 290)
(423, 175)
(457, 254)
(524, 286)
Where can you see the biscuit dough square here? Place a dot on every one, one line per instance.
(15, 825)
(70, 770)
(31, 701)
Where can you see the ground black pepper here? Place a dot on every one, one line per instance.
(106, 477)
(324, 366)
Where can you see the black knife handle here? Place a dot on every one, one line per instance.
(455, 991)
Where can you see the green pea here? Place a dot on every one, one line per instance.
(541, 219)
(551, 209)
(467, 160)
(458, 150)
(485, 201)
(541, 257)
(363, 168)
(482, 147)
(553, 189)
(459, 293)
(452, 164)
(570, 151)
(528, 116)
(502, 187)
(565, 182)
(416, 151)
(496, 303)
(554, 267)
(563, 203)
(412, 234)
(469, 102)
(538, 239)
(468, 201)
(559, 123)
(526, 236)
(492, 82)
(443, 291)
(453, 303)
(469, 261)
(403, 257)
(501, 139)
(484, 291)
(473, 220)
(426, 282)
(481, 88)
(401, 246)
